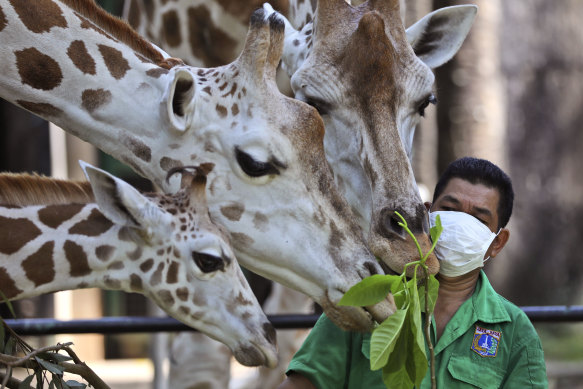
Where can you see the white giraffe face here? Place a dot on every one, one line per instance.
(271, 186)
(371, 82)
(184, 262)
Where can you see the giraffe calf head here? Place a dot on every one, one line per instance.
(184, 262)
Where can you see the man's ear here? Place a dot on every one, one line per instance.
(498, 243)
(428, 205)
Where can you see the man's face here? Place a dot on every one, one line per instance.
(477, 200)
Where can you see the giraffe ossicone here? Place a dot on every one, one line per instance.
(163, 246)
(271, 186)
(371, 80)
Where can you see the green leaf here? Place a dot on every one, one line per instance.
(400, 299)
(25, 383)
(384, 337)
(432, 296)
(55, 369)
(395, 375)
(75, 384)
(416, 362)
(10, 347)
(436, 230)
(8, 304)
(369, 291)
(55, 357)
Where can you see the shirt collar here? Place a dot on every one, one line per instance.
(486, 303)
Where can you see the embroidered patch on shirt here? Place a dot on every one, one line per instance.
(486, 342)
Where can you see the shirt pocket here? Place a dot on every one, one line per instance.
(465, 370)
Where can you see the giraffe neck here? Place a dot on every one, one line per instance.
(63, 247)
(205, 32)
(99, 79)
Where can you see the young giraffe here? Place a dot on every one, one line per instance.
(162, 246)
(271, 186)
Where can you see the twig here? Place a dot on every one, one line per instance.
(78, 368)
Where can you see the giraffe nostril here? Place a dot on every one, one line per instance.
(371, 267)
(269, 332)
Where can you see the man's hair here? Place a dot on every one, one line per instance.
(481, 171)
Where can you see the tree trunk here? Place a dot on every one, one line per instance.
(543, 63)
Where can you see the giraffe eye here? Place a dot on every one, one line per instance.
(208, 263)
(431, 99)
(252, 167)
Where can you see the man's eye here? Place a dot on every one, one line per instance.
(431, 99)
(252, 167)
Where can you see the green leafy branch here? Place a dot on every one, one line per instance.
(45, 366)
(397, 344)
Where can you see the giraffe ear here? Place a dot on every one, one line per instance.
(439, 35)
(122, 203)
(180, 99)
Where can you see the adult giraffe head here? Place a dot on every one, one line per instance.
(271, 186)
(371, 81)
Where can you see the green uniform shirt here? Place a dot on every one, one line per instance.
(489, 343)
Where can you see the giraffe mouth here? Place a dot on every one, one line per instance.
(255, 355)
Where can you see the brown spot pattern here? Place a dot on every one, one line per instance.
(172, 275)
(233, 212)
(54, 215)
(147, 265)
(136, 254)
(169, 163)
(234, 109)
(114, 60)
(7, 285)
(241, 240)
(92, 99)
(37, 69)
(171, 28)
(77, 259)
(181, 293)
(136, 283)
(112, 283)
(157, 276)
(2, 20)
(208, 42)
(44, 110)
(15, 233)
(117, 265)
(40, 266)
(221, 110)
(104, 252)
(260, 221)
(156, 72)
(166, 298)
(81, 57)
(95, 225)
(39, 15)
(138, 148)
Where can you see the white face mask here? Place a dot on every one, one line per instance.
(462, 244)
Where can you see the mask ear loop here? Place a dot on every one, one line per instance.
(500, 229)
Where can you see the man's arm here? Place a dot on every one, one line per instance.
(296, 381)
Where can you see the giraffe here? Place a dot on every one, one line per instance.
(162, 246)
(371, 81)
(204, 32)
(271, 186)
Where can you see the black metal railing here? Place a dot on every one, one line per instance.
(112, 325)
